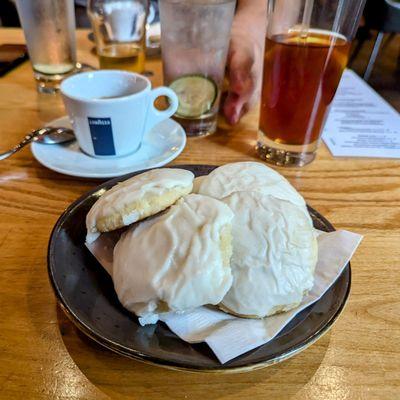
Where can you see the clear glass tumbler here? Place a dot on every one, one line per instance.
(120, 32)
(49, 29)
(306, 50)
(194, 43)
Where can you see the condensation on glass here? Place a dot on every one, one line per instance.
(49, 29)
(194, 42)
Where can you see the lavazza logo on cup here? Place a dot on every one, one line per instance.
(102, 136)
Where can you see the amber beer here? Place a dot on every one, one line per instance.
(300, 78)
(130, 57)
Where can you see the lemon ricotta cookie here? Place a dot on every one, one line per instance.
(274, 255)
(137, 198)
(176, 261)
(197, 182)
(247, 176)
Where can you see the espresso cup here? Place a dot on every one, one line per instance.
(111, 110)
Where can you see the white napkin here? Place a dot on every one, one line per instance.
(230, 336)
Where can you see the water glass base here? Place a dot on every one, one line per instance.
(198, 127)
(47, 87)
(49, 83)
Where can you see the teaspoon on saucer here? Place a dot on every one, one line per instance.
(46, 135)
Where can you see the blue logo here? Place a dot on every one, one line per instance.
(102, 136)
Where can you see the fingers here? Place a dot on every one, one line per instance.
(240, 72)
(241, 84)
(234, 108)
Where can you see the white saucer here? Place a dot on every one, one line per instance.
(160, 146)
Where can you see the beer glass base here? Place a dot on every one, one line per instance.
(285, 155)
(198, 127)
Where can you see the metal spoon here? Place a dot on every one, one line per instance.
(46, 135)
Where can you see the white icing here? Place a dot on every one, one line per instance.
(92, 237)
(274, 254)
(148, 319)
(150, 183)
(197, 182)
(248, 176)
(130, 218)
(174, 258)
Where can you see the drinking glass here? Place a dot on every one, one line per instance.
(49, 29)
(119, 28)
(306, 50)
(194, 44)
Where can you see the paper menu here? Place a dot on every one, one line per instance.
(361, 123)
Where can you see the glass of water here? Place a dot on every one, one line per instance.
(194, 43)
(49, 29)
(119, 28)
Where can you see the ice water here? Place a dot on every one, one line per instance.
(194, 40)
(49, 28)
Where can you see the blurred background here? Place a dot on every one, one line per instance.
(375, 53)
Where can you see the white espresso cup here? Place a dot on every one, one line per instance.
(111, 111)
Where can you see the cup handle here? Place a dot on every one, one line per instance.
(155, 116)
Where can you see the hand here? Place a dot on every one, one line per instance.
(245, 59)
(244, 76)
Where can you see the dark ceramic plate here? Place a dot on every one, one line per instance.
(86, 293)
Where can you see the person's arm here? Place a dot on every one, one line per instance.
(245, 57)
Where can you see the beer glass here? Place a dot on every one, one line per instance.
(194, 42)
(49, 29)
(119, 28)
(306, 50)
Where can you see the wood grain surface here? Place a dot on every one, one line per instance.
(42, 356)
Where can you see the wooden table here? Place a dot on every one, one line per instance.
(42, 356)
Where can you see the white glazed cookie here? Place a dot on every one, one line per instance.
(176, 261)
(137, 198)
(197, 182)
(248, 176)
(274, 255)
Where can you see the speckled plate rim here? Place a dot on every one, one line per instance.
(152, 360)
